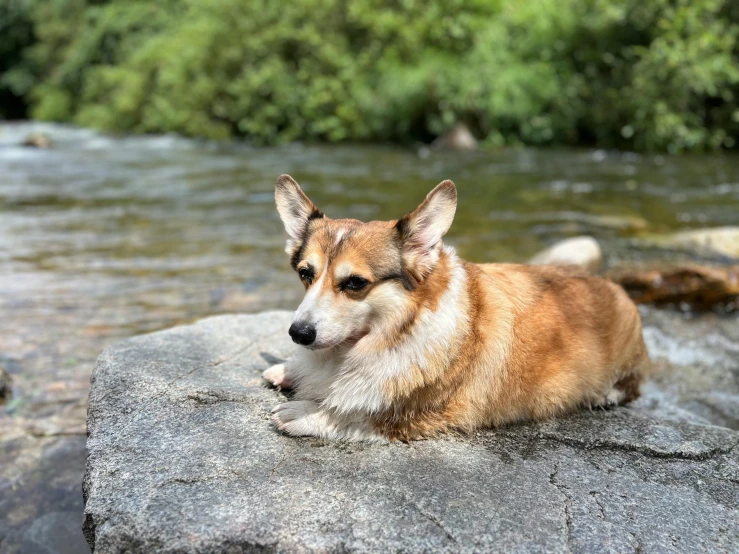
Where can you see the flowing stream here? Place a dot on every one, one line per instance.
(106, 237)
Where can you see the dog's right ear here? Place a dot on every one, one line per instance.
(295, 209)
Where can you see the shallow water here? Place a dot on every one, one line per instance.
(102, 238)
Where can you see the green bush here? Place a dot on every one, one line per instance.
(16, 35)
(639, 74)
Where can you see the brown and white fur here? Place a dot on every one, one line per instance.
(404, 340)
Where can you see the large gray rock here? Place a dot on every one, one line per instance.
(182, 458)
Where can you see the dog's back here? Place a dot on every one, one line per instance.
(575, 336)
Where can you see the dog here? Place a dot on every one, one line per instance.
(403, 340)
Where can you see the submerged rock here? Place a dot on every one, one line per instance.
(182, 458)
(55, 533)
(37, 140)
(40, 502)
(580, 251)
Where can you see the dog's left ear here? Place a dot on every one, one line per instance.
(422, 229)
(295, 209)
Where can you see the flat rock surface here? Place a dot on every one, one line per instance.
(182, 458)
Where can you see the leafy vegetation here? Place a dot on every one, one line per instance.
(16, 34)
(639, 74)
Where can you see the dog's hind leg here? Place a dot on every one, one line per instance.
(628, 387)
(624, 391)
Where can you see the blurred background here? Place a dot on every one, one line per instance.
(140, 142)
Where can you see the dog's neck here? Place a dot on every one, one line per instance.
(431, 299)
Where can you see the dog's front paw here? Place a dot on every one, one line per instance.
(277, 376)
(299, 418)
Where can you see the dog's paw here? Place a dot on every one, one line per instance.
(300, 418)
(277, 376)
(614, 398)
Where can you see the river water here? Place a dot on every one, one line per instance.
(102, 238)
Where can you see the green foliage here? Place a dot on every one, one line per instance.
(641, 74)
(16, 34)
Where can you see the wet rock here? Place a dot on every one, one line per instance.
(459, 138)
(37, 140)
(580, 251)
(182, 458)
(690, 285)
(721, 241)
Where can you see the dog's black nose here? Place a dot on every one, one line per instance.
(302, 333)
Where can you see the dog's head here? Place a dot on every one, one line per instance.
(358, 276)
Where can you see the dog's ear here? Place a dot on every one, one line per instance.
(295, 209)
(421, 230)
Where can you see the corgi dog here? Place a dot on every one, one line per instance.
(403, 340)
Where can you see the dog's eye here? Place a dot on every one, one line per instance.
(355, 282)
(306, 274)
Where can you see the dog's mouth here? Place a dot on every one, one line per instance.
(351, 340)
(348, 342)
